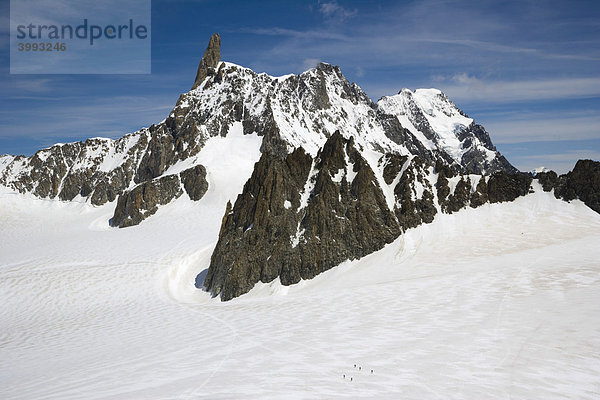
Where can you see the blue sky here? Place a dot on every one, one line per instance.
(529, 71)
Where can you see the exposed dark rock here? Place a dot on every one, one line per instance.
(480, 195)
(461, 196)
(548, 180)
(477, 131)
(155, 161)
(314, 90)
(396, 132)
(258, 224)
(503, 186)
(269, 233)
(194, 182)
(442, 186)
(272, 142)
(393, 166)
(475, 160)
(210, 60)
(143, 200)
(411, 211)
(444, 169)
(418, 119)
(582, 183)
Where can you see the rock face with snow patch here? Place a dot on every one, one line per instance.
(443, 128)
(289, 112)
(142, 201)
(299, 216)
(210, 60)
(339, 177)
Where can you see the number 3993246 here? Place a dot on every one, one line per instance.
(25, 46)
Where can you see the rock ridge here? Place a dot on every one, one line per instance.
(299, 216)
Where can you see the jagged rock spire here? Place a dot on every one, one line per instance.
(209, 61)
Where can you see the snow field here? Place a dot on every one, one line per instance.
(497, 302)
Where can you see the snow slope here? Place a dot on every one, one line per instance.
(502, 301)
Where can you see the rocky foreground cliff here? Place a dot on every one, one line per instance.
(338, 178)
(299, 216)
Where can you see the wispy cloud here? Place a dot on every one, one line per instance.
(335, 11)
(32, 85)
(463, 87)
(447, 36)
(549, 126)
(310, 63)
(305, 35)
(491, 46)
(110, 117)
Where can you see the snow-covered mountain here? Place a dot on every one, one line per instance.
(415, 276)
(337, 176)
(289, 112)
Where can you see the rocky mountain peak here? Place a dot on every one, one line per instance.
(154, 166)
(210, 60)
(338, 177)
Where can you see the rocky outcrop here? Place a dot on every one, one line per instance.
(412, 208)
(420, 111)
(392, 166)
(475, 159)
(143, 200)
(582, 183)
(503, 186)
(444, 172)
(547, 179)
(298, 217)
(65, 171)
(194, 182)
(461, 196)
(480, 194)
(137, 204)
(210, 60)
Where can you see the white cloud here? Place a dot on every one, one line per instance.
(109, 117)
(333, 10)
(441, 36)
(463, 87)
(306, 35)
(310, 63)
(32, 85)
(360, 72)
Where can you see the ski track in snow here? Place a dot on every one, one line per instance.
(497, 302)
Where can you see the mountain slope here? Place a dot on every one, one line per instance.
(289, 112)
(300, 216)
(440, 125)
(339, 176)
